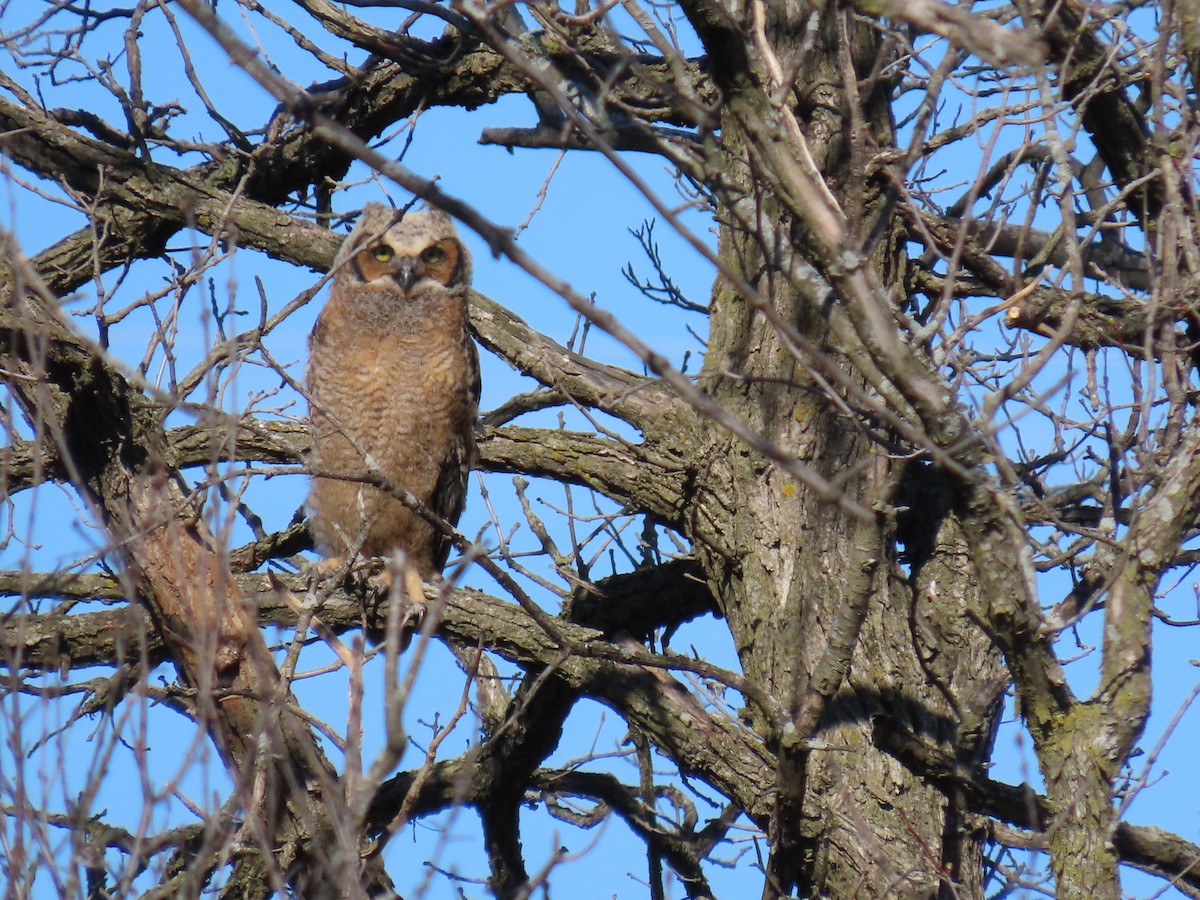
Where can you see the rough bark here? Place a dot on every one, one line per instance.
(785, 566)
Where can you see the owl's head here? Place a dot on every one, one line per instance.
(404, 251)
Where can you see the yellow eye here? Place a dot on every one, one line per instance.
(431, 256)
(383, 253)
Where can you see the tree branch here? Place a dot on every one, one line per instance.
(1150, 849)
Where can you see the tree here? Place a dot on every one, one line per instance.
(943, 425)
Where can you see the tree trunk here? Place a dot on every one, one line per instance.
(789, 568)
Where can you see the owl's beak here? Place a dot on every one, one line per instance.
(406, 273)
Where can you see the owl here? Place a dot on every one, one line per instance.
(393, 382)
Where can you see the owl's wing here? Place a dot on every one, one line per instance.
(450, 493)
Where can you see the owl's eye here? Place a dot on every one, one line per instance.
(431, 256)
(383, 253)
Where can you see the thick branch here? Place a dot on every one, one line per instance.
(634, 398)
(723, 753)
(638, 603)
(633, 474)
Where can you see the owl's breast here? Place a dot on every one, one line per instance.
(410, 386)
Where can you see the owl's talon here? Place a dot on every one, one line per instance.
(382, 581)
(414, 618)
(377, 589)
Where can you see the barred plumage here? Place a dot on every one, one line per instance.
(393, 380)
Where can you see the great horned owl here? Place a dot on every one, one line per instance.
(393, 380)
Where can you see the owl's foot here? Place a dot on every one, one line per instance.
(323, 568)
(372, 581)
(408, 601)
(356, 575)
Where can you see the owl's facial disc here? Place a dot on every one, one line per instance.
(406, 266)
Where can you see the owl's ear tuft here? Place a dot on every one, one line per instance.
(375, 219)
